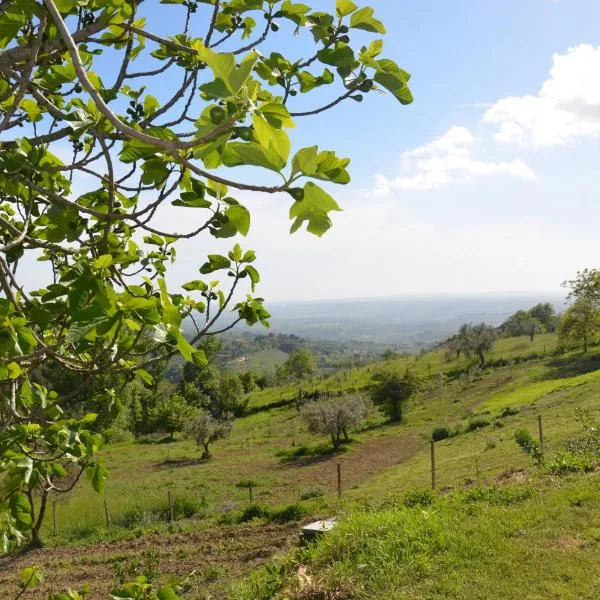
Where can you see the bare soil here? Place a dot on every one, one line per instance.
(219, 555)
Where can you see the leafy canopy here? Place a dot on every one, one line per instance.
(103, 124)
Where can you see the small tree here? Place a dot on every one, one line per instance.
(544, 312)
(205, 429)
(172, 413)
(299, 365)
(580, 323)
(392, 390)
(483, 338)
(335, 417)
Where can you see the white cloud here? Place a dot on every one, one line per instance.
(566, 107)
(447, 159)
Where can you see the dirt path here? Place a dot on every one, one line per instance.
(364, 461)
(219, 555)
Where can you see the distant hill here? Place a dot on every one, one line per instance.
(409, 322)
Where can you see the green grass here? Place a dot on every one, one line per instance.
(538, 540)
(272, 447)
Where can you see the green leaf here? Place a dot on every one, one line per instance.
(197, 284)
(239, 216)
(144, 376)
(216, 262)
(224, 68)
(103, 261)
(305, 161)
(253, 274)
(313, 209)
(363, 19)
(97, 475)
(199, 358)
(65, 6)
(344, 7)
(251, 153)
(20, 510)
(394, 79)
(151, 105)
(167, 593)
(271, 137)
(30, 578)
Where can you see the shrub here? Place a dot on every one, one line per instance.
(508, 411)
(564, 463)
(113, 435)
(316, 491)
(254, 511)
(476, 424)
(440, 433)
(292, 512)
(528, 444)
(420, 497)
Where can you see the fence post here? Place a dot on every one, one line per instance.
(171, 517)
(106, 515)
(54, 516)
(541, 433)
(339, 479)
(433, 465)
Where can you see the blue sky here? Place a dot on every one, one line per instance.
(516, 212)
(489, 182)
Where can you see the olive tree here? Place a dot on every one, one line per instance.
(335, 416)
(205, 429)
(107, 125)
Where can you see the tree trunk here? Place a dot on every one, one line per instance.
(531, 336)
(345, 432)
(481, 358)
(206, 453)
(396, 412)
(35, 532)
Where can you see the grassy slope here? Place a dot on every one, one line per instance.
(143, 473)
(384, 461)
(536, 541)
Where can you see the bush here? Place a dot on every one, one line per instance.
(564, 463)
(113, 435)
(421, 497)
(508, 411)
(476, 424)
(316, 491)
(292, 512)
(528, 444)
(440, 433)
(254, 511)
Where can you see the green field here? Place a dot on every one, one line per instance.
(383, 462)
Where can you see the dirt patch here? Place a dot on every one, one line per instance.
(219, 556)
(366, 460)
(514, 476)
(565, 542)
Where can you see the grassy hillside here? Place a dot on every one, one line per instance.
(296, 472)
